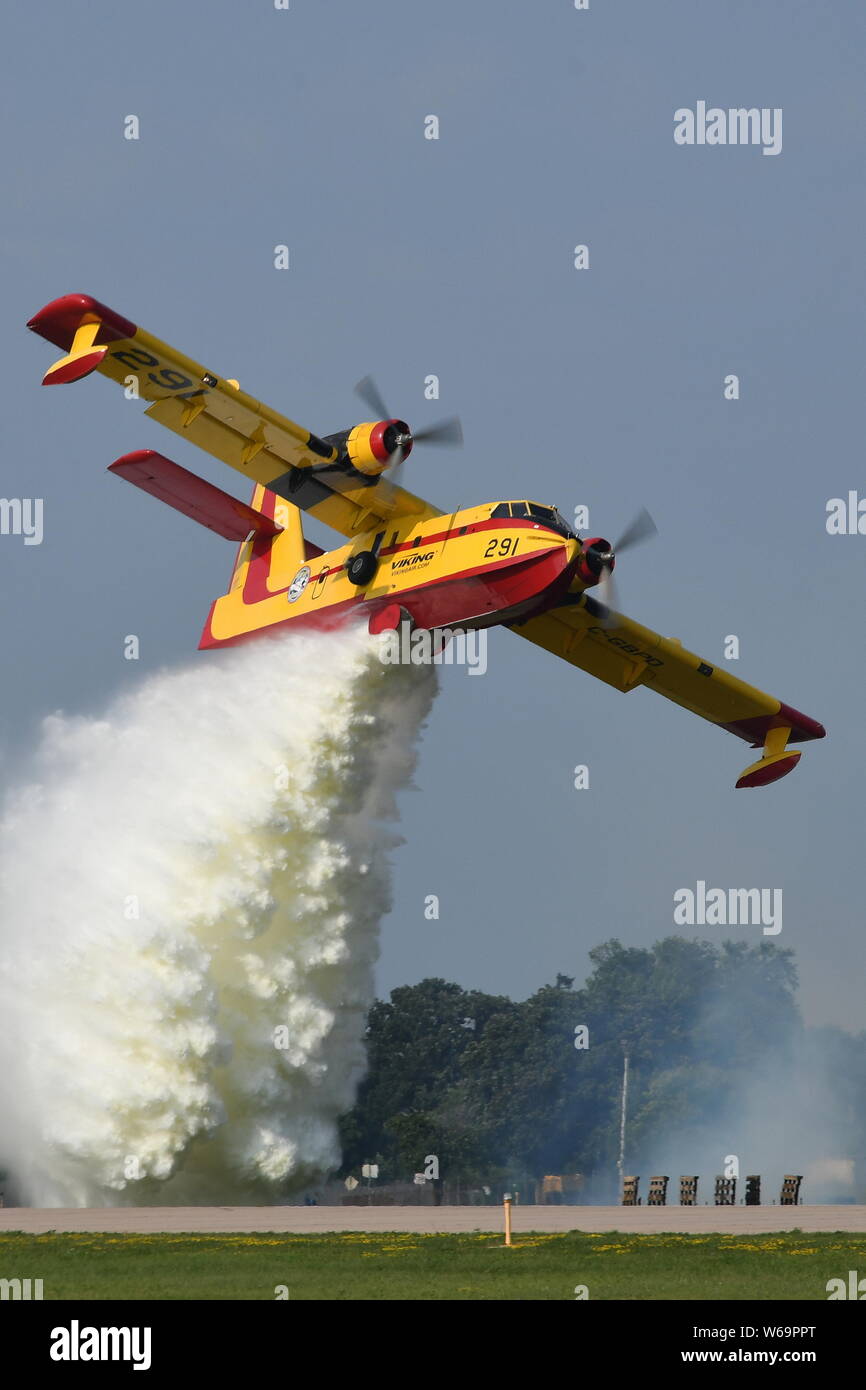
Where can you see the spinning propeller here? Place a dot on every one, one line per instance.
(397, 437)
(600, 556)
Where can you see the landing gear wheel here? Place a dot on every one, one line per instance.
(362, 568)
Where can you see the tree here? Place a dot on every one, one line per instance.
(415, 1049)
(481, 1080)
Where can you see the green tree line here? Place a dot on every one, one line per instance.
(489, 1084)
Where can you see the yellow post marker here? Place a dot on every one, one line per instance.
(507, 1205)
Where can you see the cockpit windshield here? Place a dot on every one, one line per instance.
(545, 516)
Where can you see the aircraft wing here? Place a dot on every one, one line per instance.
(626, 655)
(214, 413)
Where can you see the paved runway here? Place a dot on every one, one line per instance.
(739, 1220)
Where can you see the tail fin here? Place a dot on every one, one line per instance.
(287, 550)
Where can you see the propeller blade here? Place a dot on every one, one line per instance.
(607, 595)
(370, 394)
(394, 471)
(639, 529)
(449, 432)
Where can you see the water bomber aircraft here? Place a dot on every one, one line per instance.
(515, 563)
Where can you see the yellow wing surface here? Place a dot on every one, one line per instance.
(626, 655)
(214, 413)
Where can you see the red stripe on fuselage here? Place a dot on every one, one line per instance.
(499, 524)
(256, 589)
(482, 596)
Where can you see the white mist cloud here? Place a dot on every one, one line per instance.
(241, 808)
(785, 1114)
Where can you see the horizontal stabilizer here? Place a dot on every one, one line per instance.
(196, 498)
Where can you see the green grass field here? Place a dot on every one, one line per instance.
(358, 1265)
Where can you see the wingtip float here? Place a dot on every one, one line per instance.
(518, 564)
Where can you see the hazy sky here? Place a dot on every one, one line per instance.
(603, 387)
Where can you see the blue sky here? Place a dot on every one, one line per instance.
(603, 387)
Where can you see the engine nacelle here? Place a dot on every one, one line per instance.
(370, 447)
(596, 556)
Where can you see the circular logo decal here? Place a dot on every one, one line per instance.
(299, 584)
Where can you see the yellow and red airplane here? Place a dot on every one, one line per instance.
(516, 563)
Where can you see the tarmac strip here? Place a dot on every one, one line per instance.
(739, 1220)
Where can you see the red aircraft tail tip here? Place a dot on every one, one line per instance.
(133, 457)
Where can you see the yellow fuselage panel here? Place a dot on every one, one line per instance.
(273, 584)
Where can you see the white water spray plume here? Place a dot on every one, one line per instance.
(190, 894)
